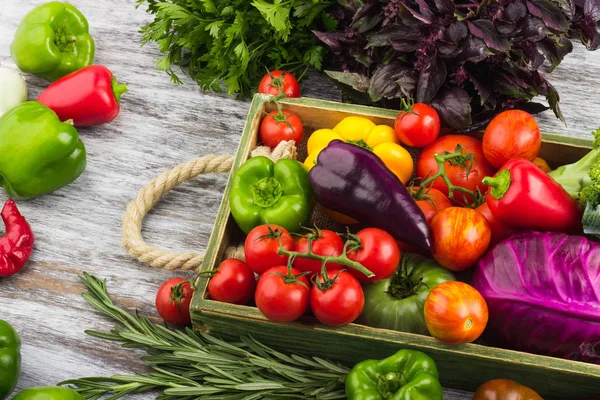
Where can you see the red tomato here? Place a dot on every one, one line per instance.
(499, 230)
(417, 127)
(505, 389)
(455, 313)
(432, 202)
(378, 252)
(274, 128)
(233, 282)
(173, 301)
(261, 247)
(324, 243)
(511, 134)
(339, 304)
(460, 237)
(280, 298)
(480, 168)
(278, 81)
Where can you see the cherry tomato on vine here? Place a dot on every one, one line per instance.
(455, 313)
(337, 301)
(324, 243)
(277, 127)
(279, 81)
(505, 389)
(378, 252)
(456, 172)
(498, 229)
(432, 202)
(282, 295)
(262, 244)
(511, 134)
(417, 125)
(232, 283)
(173, 301)
(460, 237)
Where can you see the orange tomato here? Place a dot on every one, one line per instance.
(433, 202)
(542, 164)
(505, 389)
(460, 237)
(511, 134)
(455, 313)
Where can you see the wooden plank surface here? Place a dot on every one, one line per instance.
(161, 125)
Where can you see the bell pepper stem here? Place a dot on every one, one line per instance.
(499, 184)
(118, 89)
(266, 192)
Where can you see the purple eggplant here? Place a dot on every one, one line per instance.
(355, 182)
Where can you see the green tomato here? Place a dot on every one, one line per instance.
(397, 303)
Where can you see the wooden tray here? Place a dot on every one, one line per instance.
(463, 367)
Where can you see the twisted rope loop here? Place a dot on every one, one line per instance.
(152, 192)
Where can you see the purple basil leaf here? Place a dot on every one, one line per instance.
(415, 14)
(351, 5)
(444, 6)
(431, 79)
(531, 107)
(407, 81)
(591, 9)
(484, 29)
(564, 47)
(549, 12)
(425, 10)
(331, 39)
(553, 52)
(383, 81)
(369, 8)
(398, 36)
(515, 11)
(534, 29)
(454, 108)
(446, 48)
(534, 58)
(505, 28)
(567, 7)
(553, 99)
(457, 31)
(484, 90)
(354, 80)
(475, 50)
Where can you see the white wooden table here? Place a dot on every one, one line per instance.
(161, 125)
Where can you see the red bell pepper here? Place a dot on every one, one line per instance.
(17, 242)
(523, 196)
(90, 96)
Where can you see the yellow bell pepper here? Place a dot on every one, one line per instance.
(380, 139)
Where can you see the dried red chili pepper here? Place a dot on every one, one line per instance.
(17, 242)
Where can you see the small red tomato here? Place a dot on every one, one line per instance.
(499, 230)
(460, 237)
(339, 301)
(173, 301)
(511, 134)
(324, 243)
(282, 295)
(279, 81)
(233, 282)
(262, 244)
(417, 126)
(378, 252)
(505, 389)
(455, 313)
(277, 127)
(432, 202)
(479, 168)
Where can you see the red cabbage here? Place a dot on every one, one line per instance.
(543, 295)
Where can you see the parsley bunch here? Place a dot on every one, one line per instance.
(230, 43)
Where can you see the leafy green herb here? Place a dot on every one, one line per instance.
(190, 365)
(231, 43)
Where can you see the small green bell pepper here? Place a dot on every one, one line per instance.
(48, 393)
(52, 41)
(266, 192)
(38, 153)
(407, 375)
(10, 359)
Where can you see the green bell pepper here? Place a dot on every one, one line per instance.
(53, 41)
(48, 393)
(10, 359)
(276, 193)
(407, 375)
(38, 153)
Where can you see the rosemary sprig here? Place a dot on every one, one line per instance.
(189, 365)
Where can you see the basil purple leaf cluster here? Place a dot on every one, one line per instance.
(469, 59)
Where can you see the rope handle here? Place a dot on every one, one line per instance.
(153, 191)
